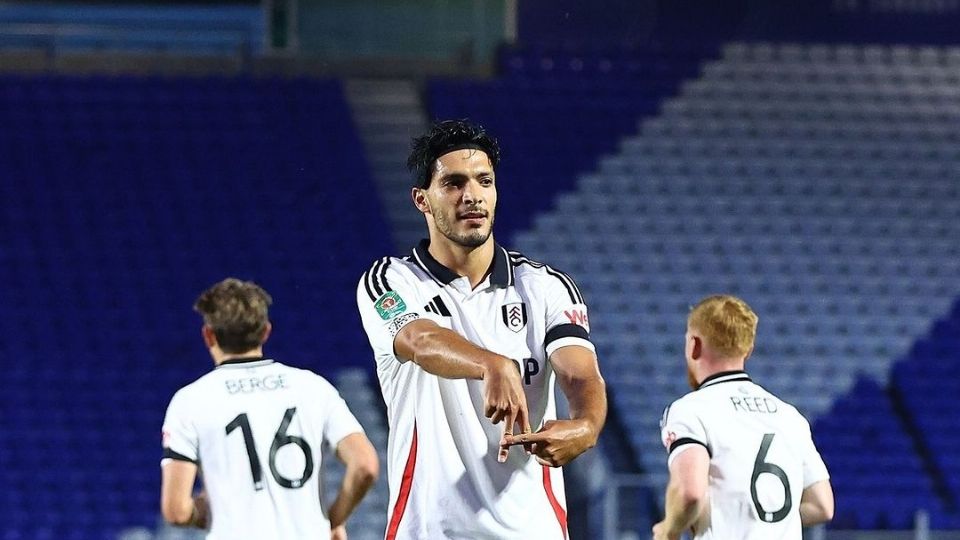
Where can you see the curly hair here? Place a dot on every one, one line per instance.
(445, 137)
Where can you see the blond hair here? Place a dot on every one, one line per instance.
(237, 312)
(726, 324)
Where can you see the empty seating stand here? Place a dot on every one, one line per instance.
(817, 182)
(123, 198)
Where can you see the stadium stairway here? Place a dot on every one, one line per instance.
(815, 181)
(388, 114)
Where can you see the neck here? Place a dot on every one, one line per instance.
(719, 366)
(220, 357)
(472, 262)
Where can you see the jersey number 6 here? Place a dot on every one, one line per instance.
(759, 467)
(280, 439)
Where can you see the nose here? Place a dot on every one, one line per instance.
(472, 193)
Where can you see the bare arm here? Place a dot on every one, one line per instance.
(579, 378)
(445, 353)
(686, 498)
(816, 503)
(177, 503)
(363, 467)
(560, 441)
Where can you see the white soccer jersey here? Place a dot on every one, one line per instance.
(256, 429)
(762, 456)
(445, 481)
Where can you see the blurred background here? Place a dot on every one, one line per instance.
(804, 155)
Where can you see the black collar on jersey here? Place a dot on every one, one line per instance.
(500, 271)
(243, 360)
(725, 376)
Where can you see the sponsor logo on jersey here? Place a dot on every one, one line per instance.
(514, 316)
(578, 317)
(669, 439)
(390, 305)
(395, 325)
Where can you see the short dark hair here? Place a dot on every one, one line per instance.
(237, 312)
(445, 137)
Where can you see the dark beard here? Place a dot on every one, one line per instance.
(472, 239)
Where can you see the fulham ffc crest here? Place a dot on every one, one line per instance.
(514, 316)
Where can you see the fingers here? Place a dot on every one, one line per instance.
(507, 432)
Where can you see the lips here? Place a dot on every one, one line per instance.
(472, 215)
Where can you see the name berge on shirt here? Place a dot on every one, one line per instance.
(247, 385)
(754, 404)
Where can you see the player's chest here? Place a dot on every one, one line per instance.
(502, 320)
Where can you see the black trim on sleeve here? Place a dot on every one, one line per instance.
(170, 454)
(565, 330)
(518, 258)
(687, 440)
(366, 285)
(383, 274)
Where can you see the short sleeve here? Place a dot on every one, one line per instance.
(387, 300)
(681, 427)
(179, 433)
(340, 422)
(567, 319)
(814, 469)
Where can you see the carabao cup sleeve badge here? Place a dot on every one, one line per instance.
(390, 305)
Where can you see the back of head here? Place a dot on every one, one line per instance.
(727, 325)
(445, 137)
(237, 312)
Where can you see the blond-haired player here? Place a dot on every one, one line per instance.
(742, 462)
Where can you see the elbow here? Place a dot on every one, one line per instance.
(176, 513)
(366, 470)
(691, 496)
(826, 513)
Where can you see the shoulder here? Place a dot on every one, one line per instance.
(192, 393)
(385, 273)
(527, 270)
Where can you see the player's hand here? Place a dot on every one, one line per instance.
(504, 400)
(660, 532)
(557, 442)
(338, 533)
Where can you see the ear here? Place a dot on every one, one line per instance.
(419, 197)
(697, 351)
(266, 333)
(748, 354)
(209, 337)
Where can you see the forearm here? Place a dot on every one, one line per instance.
(587, 397)
(445, 353)
(356, 483)
(682, 510)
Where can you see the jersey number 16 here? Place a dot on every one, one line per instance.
(280, 439)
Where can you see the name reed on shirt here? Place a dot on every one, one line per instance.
(753, 404)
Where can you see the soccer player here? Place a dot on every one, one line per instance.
(255, 427)
(467, 335)
(742, 461)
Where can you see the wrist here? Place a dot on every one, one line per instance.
(494, 363)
